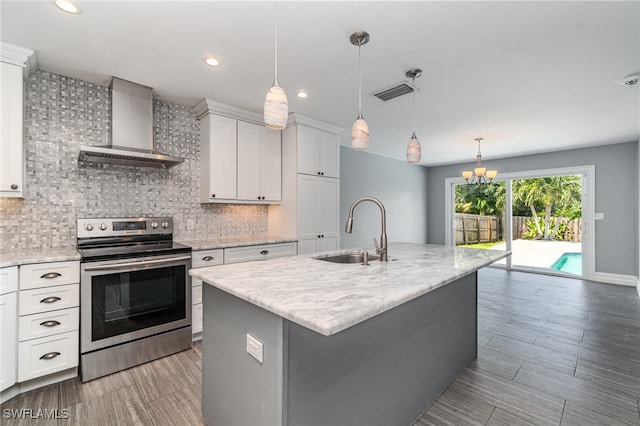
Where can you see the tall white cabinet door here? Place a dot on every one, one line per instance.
(307, 207)
(249, 160)
(271, 165)
(219, 152)
(328, 153)
(11, 144)
(308, 140)
(328, 214)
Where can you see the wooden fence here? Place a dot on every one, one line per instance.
(472, 228)
(574, 228)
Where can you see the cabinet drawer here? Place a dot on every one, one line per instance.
(196, 294)
(47, 355)
(49, 299)
(260, 252)
(48, 323)
(196, 318)
(49, 274)
(8, 279)
(203, 258)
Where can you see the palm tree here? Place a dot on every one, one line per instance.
(554, 193)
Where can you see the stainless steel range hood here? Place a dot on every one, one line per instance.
(132, 131)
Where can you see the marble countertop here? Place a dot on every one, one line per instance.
(330, 297)
(15, 257)
(214, 243)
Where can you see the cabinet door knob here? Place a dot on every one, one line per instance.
(50, 275)
(213, 195)
(51, 299)
(51, 323)
(264, 252)
(50, 355)
(14, 186)
(207, 258)
(321, 173)
(318, 173)
(322, 236)
(318, 235)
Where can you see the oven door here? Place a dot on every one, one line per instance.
(125, 300)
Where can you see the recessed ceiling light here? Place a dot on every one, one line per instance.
(631, 80)
(302, 94)
(212, 61)
(68, 6)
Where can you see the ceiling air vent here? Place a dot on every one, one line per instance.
(394, 92)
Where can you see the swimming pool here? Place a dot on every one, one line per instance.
(570, 263)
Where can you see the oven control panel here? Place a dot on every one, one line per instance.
(114, 227)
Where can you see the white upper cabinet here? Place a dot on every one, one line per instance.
(218, 158)
(259, 163)
(16, 62)
(318, 199)
(318, 152)
(241, 160)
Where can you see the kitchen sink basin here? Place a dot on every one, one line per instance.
(347, 257)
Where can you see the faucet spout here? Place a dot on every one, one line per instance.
(348, 228)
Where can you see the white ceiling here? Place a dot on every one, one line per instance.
(527, 76)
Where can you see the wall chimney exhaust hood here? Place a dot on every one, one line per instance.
(131, 131)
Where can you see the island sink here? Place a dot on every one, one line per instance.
(356, 257)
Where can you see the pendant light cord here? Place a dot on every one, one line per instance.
(413, 105)
(275, 20)
(359, 80)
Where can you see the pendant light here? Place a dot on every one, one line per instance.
(276, 108)
(360, 129)
(414, 151)
(480, 174)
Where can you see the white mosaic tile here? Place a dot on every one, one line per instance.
(61, 113)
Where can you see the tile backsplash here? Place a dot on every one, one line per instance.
(62, 113)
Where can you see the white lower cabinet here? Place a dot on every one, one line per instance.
(49, 319)
(8, 366)
(47, 355)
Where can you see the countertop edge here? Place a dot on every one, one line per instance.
(221, 243)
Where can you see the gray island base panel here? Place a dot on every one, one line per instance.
(385, 370)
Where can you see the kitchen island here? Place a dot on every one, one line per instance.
(298, 340)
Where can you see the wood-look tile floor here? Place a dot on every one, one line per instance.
(551, 350)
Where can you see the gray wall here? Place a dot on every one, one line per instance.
(638, 212)
(616, 176)
(401, 187)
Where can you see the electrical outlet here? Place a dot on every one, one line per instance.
(190, 225)
(599, 216)
(255, 348)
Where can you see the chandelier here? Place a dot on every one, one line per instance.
(480, 174)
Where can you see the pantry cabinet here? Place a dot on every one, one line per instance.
(317, 214)
(309, 211)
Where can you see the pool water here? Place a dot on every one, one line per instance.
(570, 263)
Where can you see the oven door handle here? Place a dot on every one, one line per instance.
(130, 264)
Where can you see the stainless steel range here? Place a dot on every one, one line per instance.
(135, 293)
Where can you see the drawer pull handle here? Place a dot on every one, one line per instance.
(51, 299)
(50, 275)
(51, 323)
(208, 258)
(14, 186)
(50, 355)
(264, 252)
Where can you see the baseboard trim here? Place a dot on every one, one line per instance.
(609, 278)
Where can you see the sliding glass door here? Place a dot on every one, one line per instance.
(543, 217)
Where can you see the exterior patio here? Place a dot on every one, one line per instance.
(537, 253)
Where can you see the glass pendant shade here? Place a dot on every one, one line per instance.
(276, 108)
(491, 174)
(360, 134)
(414, 150)
(479, 171)
(467, 175)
